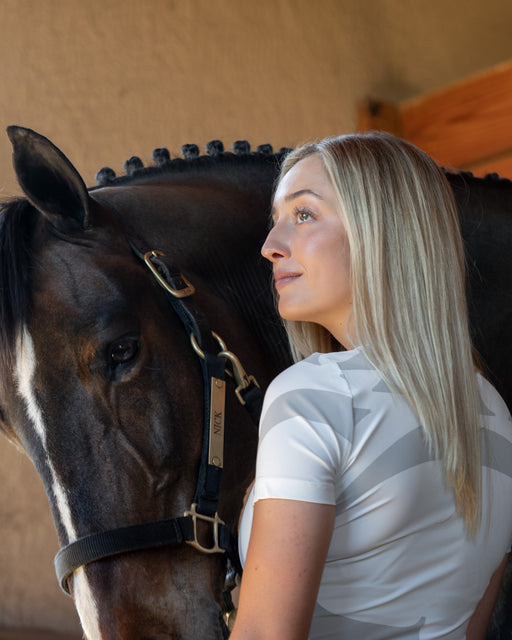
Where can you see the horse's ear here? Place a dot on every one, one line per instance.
(48, 179)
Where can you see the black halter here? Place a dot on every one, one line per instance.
(175, 531)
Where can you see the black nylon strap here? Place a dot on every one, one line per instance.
(137, 537)
(209, 477)
(229, 543)
(189, 314)
(194, 321)
(253, 398)
(97, 546)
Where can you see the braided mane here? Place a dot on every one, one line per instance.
(191, 161)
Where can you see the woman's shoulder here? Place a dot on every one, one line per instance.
(311, 392)
(321, 371)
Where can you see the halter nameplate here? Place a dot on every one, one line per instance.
(217, 411)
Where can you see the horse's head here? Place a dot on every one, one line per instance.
(102, 389)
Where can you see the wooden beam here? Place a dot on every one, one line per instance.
(466, 123)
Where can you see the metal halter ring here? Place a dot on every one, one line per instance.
(198, 349)
(242, 379)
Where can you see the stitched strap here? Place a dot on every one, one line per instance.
(194, 322)
(149, 535)
(116, 541)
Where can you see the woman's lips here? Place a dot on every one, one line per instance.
(282, 278)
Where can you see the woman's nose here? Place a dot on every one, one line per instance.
(275, 246)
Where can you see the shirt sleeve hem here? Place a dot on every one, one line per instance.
(293, 490)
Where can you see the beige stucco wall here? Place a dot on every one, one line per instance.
(107, 79)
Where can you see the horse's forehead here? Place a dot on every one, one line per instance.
(67, 264)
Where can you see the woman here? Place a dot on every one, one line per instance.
(376, 513)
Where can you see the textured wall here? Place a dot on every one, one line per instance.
(106, 79)
(109, 78)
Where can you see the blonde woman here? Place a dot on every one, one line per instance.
(382, 505)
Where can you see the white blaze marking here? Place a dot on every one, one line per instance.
(85, 604)
(25, 369)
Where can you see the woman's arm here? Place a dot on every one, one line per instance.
(285, 560)
(479, 621)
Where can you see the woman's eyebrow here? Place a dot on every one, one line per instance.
(293, 195)
(302, 192)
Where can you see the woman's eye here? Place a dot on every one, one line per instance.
(303, 216)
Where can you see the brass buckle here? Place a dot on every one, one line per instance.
(177, 293)
(216, 521)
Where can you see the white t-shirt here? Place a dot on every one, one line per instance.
(400, 565)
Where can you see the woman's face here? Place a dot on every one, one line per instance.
(309, 250)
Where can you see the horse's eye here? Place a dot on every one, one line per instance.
(123, 350)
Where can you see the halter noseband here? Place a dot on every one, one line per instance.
(184, 529)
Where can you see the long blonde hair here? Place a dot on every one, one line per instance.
(408, 279)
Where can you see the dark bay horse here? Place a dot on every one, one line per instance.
(101, 386)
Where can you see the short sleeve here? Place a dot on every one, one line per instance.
(304, 433)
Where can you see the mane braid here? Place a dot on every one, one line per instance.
(180, 165)
(17, 223)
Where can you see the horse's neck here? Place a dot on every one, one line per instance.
(213, 230)
(233, 270)
(247, 288)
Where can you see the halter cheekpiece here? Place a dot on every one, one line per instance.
(214, 356)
